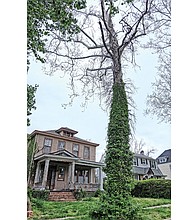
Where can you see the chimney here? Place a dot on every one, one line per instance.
(142, 152)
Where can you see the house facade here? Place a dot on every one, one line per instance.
(144, 167)
(64, 161)
(164, 163)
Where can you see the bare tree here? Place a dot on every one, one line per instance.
(159, 102)
(139, 146)
(99, 55)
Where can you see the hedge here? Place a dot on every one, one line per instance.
(153, 188)
(39, 194)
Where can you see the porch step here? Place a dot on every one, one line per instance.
(61, 196)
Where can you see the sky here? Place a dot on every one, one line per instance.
(91, 122)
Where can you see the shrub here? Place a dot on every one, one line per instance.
(80, 194)
(153, 188)
(98, 193)
(115, 209)
(40, 194)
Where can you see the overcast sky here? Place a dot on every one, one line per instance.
(92, 122)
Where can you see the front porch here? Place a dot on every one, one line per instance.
(64, 173)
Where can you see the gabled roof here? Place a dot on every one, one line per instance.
(64, 153)
(166, 154)
(143, 156)
(140, 170)
(145, 170)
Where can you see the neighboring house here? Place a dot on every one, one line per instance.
(64, 161)
(164, 163)
(144, 167)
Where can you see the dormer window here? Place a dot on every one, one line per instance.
(162, 159)
(143, 161)
(152, 164)
(135, 162)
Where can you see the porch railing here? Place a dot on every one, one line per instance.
(90, 187)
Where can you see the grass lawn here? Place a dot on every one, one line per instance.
(80, 209)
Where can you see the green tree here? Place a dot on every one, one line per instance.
(46, 16)
(31, 90)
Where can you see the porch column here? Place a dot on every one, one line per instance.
(73, 172)
(36, 179)
(91, 175)
(44, 181)
(100, 178)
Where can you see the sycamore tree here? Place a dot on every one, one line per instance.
(99, 56)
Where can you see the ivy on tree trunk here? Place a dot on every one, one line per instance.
(116, 201)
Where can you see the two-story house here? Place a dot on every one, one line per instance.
(164, 163)
(144, 167)
(64, 161)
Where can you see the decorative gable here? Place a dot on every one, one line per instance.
(64, 153)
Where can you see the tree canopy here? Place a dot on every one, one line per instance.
(46, 16)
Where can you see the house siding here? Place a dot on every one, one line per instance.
(166, 169)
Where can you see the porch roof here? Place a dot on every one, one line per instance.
(68, 158)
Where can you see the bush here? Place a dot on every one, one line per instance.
(80, 194)
(153, 188)
(120, 208)
(40, 194)
(98, 193)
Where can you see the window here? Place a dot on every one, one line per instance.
(47, 145)
(41, 173)
(86, 152)
(152, 164)
(143, 161)
(82, 176)
(61, 145)
(76, 149)
(61, 173)
(162, 159)
(135, 162)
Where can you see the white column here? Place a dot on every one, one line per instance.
(73, 172)
(37, 173)
(91, 175)
(46, 167)
(100, 178)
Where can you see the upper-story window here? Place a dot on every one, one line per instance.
(152, 164)
(47, 145)
(76, 149)
(86, 152)
(61, 145)
(143, 161)
(162, 159)
(135, 161)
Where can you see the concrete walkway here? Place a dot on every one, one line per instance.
(158, 206)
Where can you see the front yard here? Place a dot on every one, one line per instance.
(80, 209)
